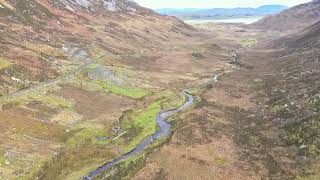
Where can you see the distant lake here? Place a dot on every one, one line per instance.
(244, 20)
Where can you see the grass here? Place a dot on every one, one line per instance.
(120, 90)
(2, 158)
(146, 119)
(42, 49)
(127, 168)
(75, 161)
(24, 166)
(78, 174)
(220, 161)
(278, 109)
(84, 152)
(254, 141)
(89, 68)
(142, 123)
(131, 92)
(312, 174)
(67, 117)
(68, 67)
(104, 57)
(306, 134)
(248, 42)
(80, 82)
(87, 137)
(36, 167)
(4, 63)
(50, 100)
(173, 101)
(312, 177)
(120, 71)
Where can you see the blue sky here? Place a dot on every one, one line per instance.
(214, 3)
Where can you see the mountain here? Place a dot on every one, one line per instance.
(308, 38)
(296, 85)
(70, 70)
(34, 34)
(201, 13)
(295, 18)
(86, 88)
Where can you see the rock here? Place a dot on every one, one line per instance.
(104, 74)
(16, 80)
(8, 155)
(198, 55)
(258, 80)
(303, 146)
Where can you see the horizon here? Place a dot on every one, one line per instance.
(223, 7)
(207, 4)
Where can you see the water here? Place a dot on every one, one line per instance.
(243, 20)
(164, 130)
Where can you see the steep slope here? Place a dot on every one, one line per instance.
(308, 38)
(293, 19)
(72, 91)
(294, 98)
(33, 34)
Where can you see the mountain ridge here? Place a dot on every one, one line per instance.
(211, 12)
(293, 19)
(118, 27)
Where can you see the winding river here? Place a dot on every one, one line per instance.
(164, 130)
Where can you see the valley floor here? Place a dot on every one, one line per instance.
(234, 132)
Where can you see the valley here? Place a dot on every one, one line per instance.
(111, 90)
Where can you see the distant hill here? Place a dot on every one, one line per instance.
(215, 12)
(295, 18)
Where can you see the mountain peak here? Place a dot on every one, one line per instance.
(98, 5)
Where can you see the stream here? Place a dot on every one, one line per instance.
(164, 130)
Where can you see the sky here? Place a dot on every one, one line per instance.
(154, 4)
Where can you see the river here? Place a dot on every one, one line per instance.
(164, 130)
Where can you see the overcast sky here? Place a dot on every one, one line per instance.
(154, 4)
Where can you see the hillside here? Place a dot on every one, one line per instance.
(307, 38)
(190, 13)
(293, 19)
(33, 34)
(76, 76)
(295, 95)
(107, 89)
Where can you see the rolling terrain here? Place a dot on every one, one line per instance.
(83, 81)
(110, 90)
(293, 19)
